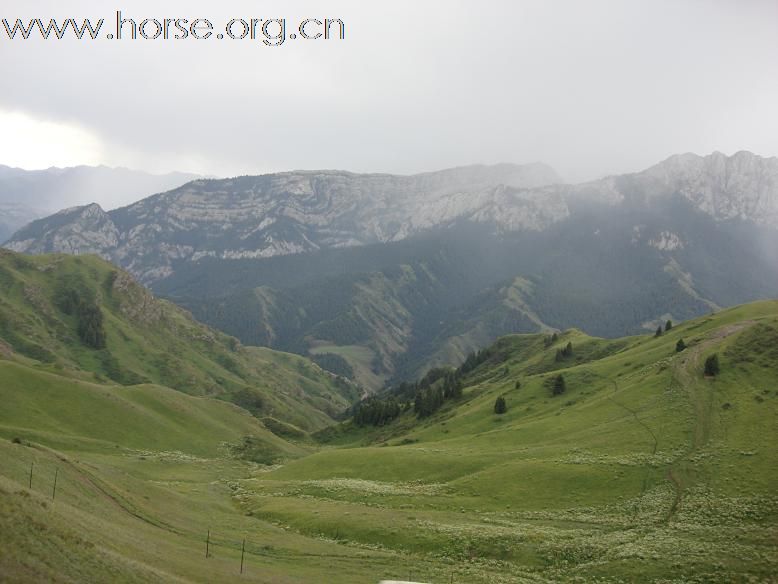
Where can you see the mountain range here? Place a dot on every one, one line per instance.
(380, 277)
(26, 195)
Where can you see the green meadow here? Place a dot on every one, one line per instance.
(642, 470)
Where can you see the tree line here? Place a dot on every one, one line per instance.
(75, 299)
(424, 397)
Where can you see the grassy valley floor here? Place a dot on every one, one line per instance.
(643, 470)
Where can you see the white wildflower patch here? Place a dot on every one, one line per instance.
(164, 456)
(338, 485)
(640, 459)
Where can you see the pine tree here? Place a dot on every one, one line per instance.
(712, 365)
(500, 407)
(418, 403)
(456, 390)
(90, 326)
(680, 346)
(668, 325)
(447, 387)
(559, 386)
(658, 331)
(518, 385)
(566, 352)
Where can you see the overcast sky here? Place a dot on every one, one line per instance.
(589, 87)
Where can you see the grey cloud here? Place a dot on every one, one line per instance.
(591, 88)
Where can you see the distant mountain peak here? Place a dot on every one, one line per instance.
(76, 230)
(295, 212)
(26, 195)
(88, 209)
(715, 158)
(298, 212)
(742, 186)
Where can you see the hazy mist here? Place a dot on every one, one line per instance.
(590, 88)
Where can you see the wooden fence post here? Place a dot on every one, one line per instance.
(242, 552)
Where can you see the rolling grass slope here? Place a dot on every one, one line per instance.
(149, 341)
(643, 470)
(69, 413)
(142, 475)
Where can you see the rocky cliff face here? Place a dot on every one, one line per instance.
(418, 270)
(742, 186)
(26, 195)
(294, 212)
(298, 212)
(79, 230)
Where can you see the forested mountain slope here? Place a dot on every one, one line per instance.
(379, 277)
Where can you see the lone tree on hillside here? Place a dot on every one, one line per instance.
(680, 346)
(500, 407)
(559, 386)
(712, 365)
(565, 353)
(658, 331)
(668, 325)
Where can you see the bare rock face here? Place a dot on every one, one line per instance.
(138, 304)
(742, 186)
(27, 195)
(294, 212)
(79, 230)
(301, 212)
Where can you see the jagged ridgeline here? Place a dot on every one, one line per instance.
(381, 277)
(26, 195)
(82, 318)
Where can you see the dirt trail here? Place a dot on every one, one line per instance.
(687, 371)
(102, 490)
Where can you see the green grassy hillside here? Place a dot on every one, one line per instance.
(105, 483)
(142, 474)
(642, 470)
(80, 317)
(68, 413)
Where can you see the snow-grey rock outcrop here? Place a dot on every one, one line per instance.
(742, 186)
(26, 195)
(299, 212)
(294, 212)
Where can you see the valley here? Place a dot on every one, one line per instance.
(468, 293)
(643, 469)
(379, 277)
